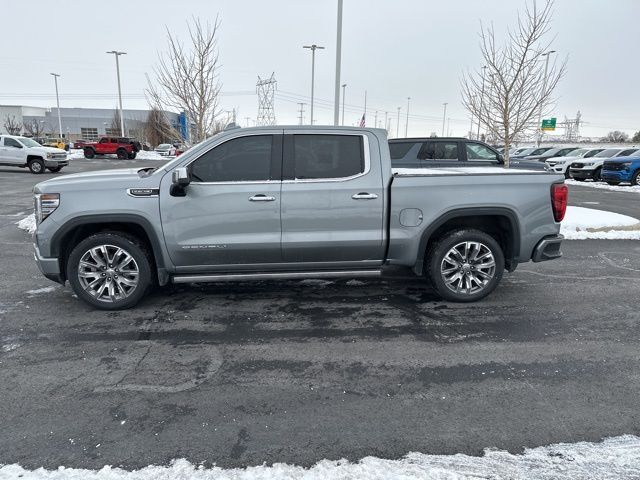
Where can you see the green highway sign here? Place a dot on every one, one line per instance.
(548, 124)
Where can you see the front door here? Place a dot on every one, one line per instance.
(332, 200)
(13, 152)
(229, 218)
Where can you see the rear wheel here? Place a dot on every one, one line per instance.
(635, 180)
(54, 169)
(110, 271)
(36, 165)
(465, 265)
(122, 154)
(89, 153)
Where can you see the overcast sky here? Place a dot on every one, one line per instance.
(393, 50)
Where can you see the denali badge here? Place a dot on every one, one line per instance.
(143, 192)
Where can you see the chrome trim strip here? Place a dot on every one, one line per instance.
(232, 277)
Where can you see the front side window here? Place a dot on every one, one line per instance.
(242, 159)
(478, 152)
(10, 142)
(327, 156)
(626, 153)
(439, 151)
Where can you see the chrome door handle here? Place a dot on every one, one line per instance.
(261, 198)
(364, 196)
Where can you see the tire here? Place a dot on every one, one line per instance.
(90, 280)
(597, 175)
(613, 183)
(54, 169)
(475, 278)
(122, 154)
(567, 174)
(36, 166)
(635, 180)
(89, 153)
(132, 155)
(578, 179)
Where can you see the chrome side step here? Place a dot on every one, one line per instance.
(238, 277)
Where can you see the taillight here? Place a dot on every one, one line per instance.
(559, 199)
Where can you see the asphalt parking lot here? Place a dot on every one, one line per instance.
(241, 374)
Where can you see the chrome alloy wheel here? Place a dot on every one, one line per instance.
(468, 267)
(108, 273)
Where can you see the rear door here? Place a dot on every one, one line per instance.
(229, 218)
(440, 153)
(332, 200)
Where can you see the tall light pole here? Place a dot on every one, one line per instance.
(117, 54)
(398, 124)
(406, 127)
(55, 78)
(336, 103)
(444, 116)
(386, 123)
(344, 87)
(313, 49)
(544, 87)
(484, 69)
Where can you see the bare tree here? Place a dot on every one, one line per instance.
(512, 91)
(157, 129)
(12, 126)
(616, 136)
(187, 78)
(34, 128)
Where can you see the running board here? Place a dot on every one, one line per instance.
(238, 277)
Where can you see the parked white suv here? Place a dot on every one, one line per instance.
(561, 164)
(26, 152)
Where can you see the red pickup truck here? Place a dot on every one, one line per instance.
(121, 146)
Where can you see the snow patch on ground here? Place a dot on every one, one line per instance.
(587, 223)
(38, 291)
(355, 283)
(614, 458)
(605, 186)
(28, 224)
(315, 282)
(9, 347)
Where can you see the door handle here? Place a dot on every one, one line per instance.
(261, 198)
(364, 196)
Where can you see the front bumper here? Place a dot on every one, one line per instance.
(53, 163)
(50, 267)
(616, 176)
(579, 173)
(547, 249)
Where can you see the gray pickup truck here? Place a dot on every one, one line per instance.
(292, 203)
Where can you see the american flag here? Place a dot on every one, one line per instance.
(362, 122)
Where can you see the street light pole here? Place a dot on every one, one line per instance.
(544, 87)
(344, 87)
(313, 49)
(444, 115)
(398, 124)
(55, 78)
(484, 69)
(406, 127)
(117, 54)
(336, 103)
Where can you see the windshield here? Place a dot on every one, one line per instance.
(578, 153)
(551, 153)
(163, 146)
(526, 151)
(28, 142)
(609, 152)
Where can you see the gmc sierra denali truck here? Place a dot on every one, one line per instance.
(292, 203)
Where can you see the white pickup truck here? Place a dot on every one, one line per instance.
(26, 152)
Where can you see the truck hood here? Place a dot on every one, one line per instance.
(100, 179)
(44, 149)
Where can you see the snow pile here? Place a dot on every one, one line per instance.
(28, 223)
(587, 223)
(605, 186)
(38, 291)
(614, 458)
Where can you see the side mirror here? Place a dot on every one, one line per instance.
(180, 177)
(501, 157)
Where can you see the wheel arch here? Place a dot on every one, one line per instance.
(79, 228)
(500, 222)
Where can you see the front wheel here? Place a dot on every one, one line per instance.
(89, 153)
(132, 155)
(36, 166)
(579, 179)
(635, 180)
(122, 154)
(54, 169)
(465, 265)
(110, 271)
(597, 175)
(613, 183)
(567, 174)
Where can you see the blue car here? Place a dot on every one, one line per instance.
(626, 169)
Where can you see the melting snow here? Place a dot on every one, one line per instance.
(605, 186)
(587, 223)
(38, 291)
(28, 223)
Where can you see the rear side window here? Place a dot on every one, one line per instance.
(327, 156)
(243, 159)
(478, 152)
(439, 151)
(400, 150)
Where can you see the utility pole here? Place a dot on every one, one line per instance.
(398, 124)
(117, 54)
(313, 49)
(365, 107)
(386, 122)
(484, 70)
(375, 120)
(55, 78)
(336, 102)
(301, 117)
(444, 115)
(544, 87)
(344, 87)
(448, 126)
(406, 126)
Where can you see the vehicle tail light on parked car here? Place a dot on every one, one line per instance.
(45, 205)
(559, 199)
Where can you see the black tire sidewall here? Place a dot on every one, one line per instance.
(442, 246)
(121, 155)
(120, 240)
(635, 180)
(89, 153)
(55, 169)
(36, 162)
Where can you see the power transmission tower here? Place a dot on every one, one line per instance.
(572, 128)
(266, 91)
(301, 117)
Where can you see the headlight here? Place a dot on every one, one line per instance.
(45, 205)
(49, 155)
(588, 164)
(627, 164)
